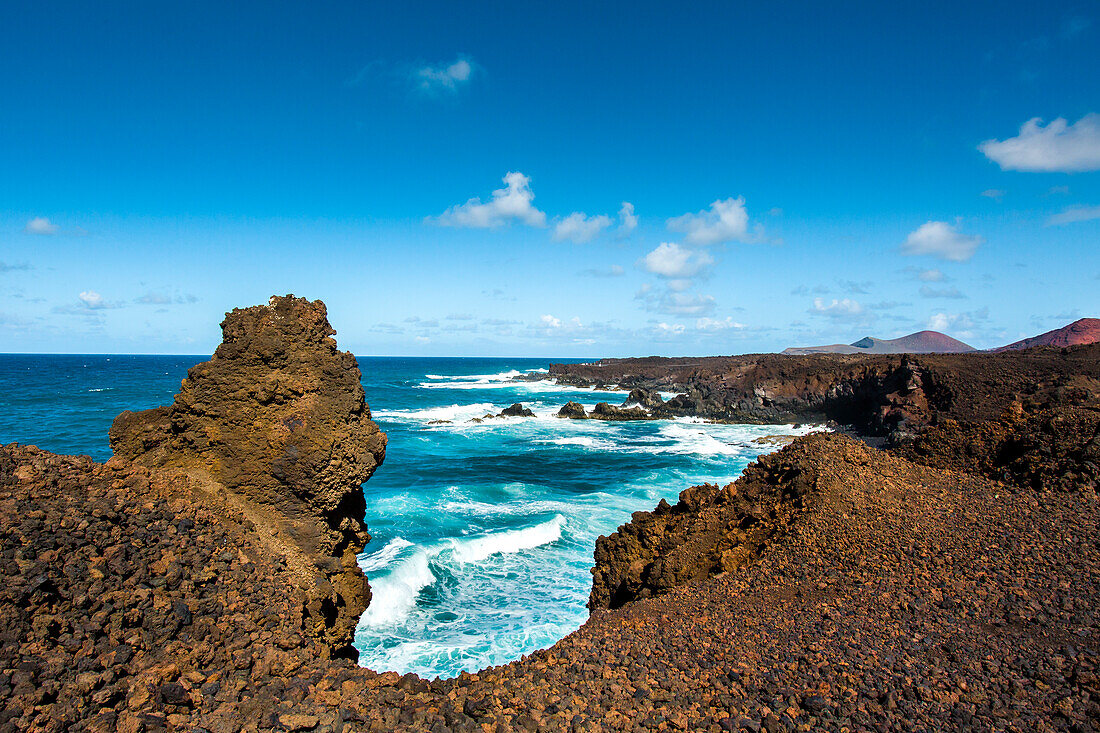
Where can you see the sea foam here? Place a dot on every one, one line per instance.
(476, 549)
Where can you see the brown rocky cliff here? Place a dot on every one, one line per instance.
(710, 530)
(276, 425)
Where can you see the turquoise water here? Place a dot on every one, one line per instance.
(482, 533)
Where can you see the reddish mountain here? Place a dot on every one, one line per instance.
(1083, 331)
(921, 342)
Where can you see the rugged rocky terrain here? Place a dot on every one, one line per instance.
(879, 395)
(952, 583)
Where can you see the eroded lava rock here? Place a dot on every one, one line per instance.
(277, 424)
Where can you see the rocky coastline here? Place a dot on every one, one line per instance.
(204, 578)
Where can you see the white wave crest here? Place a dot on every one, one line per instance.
(382, 558)
(394, 595)
(487, 509)
(694, 441)
(476, 549)
(448, 412)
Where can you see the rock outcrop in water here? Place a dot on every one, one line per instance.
(276, 425)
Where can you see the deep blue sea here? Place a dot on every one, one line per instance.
(482, 533)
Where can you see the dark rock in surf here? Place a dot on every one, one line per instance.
(573, 411)
(604, 411)
(648, 398)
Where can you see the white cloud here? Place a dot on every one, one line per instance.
(513, 202)
(709, 324)
(930, 276)
(613, 271)
(940, 239)
(580, 228)
(1058, 147)
(960, 323)
(994, 193)
(837, 310)
(676, 303)
(928, 291)
(443, 79)
(1075, 214)
(669, 329)
(155, 298)
(41, 225)
(628, 221)
(89, 303)
(670, 260)
(548, 321)
(725, 221)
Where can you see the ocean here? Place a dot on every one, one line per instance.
(482, 533)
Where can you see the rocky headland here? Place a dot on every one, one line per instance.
(204, 578)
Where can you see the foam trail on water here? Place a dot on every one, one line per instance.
(476, 549)
(450, 412)
(486, 509)
(694, 441)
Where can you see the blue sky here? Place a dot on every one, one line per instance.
(499, 179)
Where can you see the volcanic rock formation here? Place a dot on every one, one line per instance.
(276, 425)
(1081, 331)
(921, 342)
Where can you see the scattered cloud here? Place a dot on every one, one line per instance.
(838, 310)
(549, 321)
(943, 240)
(92, 300)
(994, 193)
(511, 203)
(927, 291)
(927, 275)
(950, 321)
(579, 228)
(961, 325)
(670, 260)
(1058, 147)
(856, 288)
(725, 221)
(1075, 214)
(673, 303)
(669, 329)
(709, 324)
(41, 225)
(800, 290)
(628, 221)
(459, 317)
(88, 303)
(613, 271)
(885, 305)
(153, 298)
(443, 78)
(1057, 191)
(14, 267)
